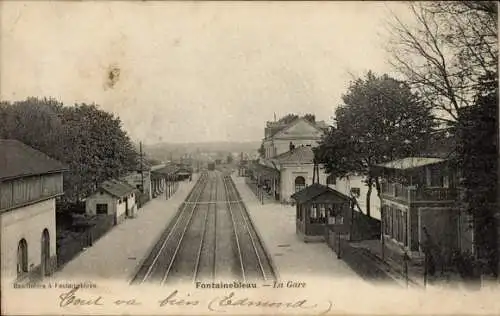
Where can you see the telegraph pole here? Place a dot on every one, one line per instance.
(142, 168)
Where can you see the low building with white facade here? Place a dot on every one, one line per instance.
(30, 182)
(113, 197)
(288, 164)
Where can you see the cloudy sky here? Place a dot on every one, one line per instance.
(191, 72)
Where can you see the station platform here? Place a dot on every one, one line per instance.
(292, 258)
(118, 254)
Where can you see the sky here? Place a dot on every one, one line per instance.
(192, 71)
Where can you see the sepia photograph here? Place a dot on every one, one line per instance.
(249, 158)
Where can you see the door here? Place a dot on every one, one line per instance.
(45, 262)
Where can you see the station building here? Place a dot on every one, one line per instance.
(288, 163)
(114, 198)
(30, 183)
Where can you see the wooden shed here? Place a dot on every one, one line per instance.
(318, 207)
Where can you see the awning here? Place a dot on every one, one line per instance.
(264, 170)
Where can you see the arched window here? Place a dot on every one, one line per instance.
(22, 257)
(300, 183)
(331, 180)
(45, 252)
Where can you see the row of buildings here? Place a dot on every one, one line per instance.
(30, 184)
(418, 198)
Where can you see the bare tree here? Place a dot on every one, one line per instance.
(447, 51)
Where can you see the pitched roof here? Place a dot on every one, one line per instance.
(20, 160)
(117, 188)
(315, 190)
(411, 162)
(167, 170)
(183, 171)
(302, 155)
(276, 127)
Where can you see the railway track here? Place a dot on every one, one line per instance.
(254, 262)
(160, 260)
(210, 238)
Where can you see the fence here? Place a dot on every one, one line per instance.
(83, 233)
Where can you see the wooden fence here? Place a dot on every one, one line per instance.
(82, 234)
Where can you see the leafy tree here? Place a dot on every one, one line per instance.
(380, 120)
(478, 154)
(448, 52)
(451, 56)
(89, 140)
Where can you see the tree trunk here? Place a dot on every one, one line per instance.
(368, 196)
(377, 186)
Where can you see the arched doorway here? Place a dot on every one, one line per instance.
(22, 257)
(300, 183)
(45, 262)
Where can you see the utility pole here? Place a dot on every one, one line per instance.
(142, 167)
(382, 231)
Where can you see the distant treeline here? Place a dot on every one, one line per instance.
(89, 140)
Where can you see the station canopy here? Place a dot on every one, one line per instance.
(264, 170)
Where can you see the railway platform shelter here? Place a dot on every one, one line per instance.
(266, 178)
(319, 210)
(169, 173)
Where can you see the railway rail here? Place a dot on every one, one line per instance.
(211, 237)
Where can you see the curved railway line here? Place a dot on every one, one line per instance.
(210, 238)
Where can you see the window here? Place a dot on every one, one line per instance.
(331, 180)
(356, 192)
(300, 183)
(335, 216)
(436, 177)
(314, 212)
(389, 221)
(318, 214)
(101, 208)
(322, 211)
(22, 257)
